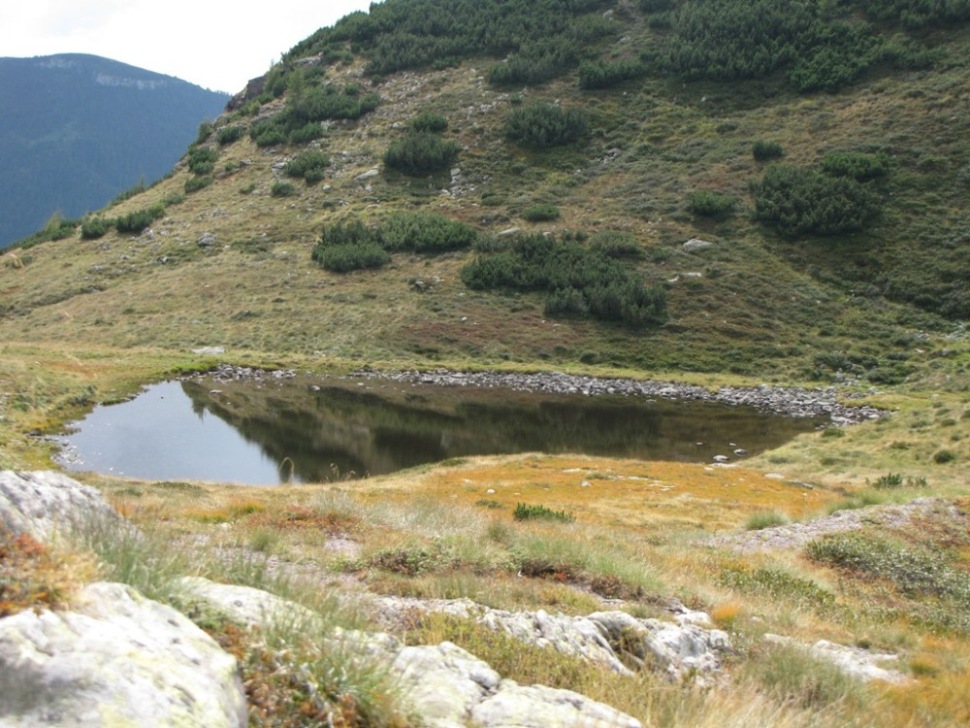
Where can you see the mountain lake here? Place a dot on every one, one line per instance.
(305, 430)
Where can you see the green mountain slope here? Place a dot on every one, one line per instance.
(78, 129)
(823, 151)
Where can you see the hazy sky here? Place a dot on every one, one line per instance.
(218, 45)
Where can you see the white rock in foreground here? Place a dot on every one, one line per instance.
(446, 686)
(116, 659)
(42, 503)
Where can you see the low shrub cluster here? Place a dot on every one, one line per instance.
(891, 481)
(860, 167)
(616, 244)
(541, 213)
(430, 122)
(135, 222)
(202, 160)
(913, 570)
(229, 134)
(308, 165)
(197, 183)
(803, 201)
(763, 150)
(94, 227)
(344, 247)
(605, 74)
(421, 152)
(578, 281)
(708, 203)
(525, 512)
(542, 125)
(306, 107)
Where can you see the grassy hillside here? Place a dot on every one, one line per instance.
(356, 210)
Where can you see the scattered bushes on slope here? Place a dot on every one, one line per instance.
(351, 246)
(543, 36)
(577, 281)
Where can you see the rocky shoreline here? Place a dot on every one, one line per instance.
(829, 402)
(789, 401)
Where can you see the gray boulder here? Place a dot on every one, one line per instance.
(40, 504)
(536, 706)
(696, 245)
(115, 659)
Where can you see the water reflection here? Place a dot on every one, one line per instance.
(314, 431)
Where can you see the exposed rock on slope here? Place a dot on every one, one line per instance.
(612, 638)
(446, 685)
(116, 658)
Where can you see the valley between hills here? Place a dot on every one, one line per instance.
(355, 210)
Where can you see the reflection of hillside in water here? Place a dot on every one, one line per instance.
(343, 427)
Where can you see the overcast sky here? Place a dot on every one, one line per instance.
(218, 45)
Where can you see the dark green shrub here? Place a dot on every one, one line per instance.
(602, 74)
(800, 201)
(856, 165)
(427, 121)
(308, 165)
(524, 512)
(891, 481)
(268, 133)
(229, 134)
(837, 56)
(541, 213)
(921, 14)
(542, 125)
(327, 102)
(282, 189)
(424, 232)
(940, 457)
(708, 203)
(421, 153)
(764, 150)
(539, 263)
(566, 303)
(202, 160)
(346, 257)
(197, 183)
(135, 222)
(205, 131)
(311, 131)
(616, 244)
(94, 227)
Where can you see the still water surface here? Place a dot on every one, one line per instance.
(316, 430)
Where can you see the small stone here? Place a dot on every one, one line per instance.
(696, 245)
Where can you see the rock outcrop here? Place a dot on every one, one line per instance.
(445, 685)
(687, 647)
(116, 658)
(42, 504)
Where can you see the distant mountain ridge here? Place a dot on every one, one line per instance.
(77, 129)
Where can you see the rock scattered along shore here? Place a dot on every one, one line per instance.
(788, 401)
(828, 402)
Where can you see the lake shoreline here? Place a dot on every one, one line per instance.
(827, 402)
